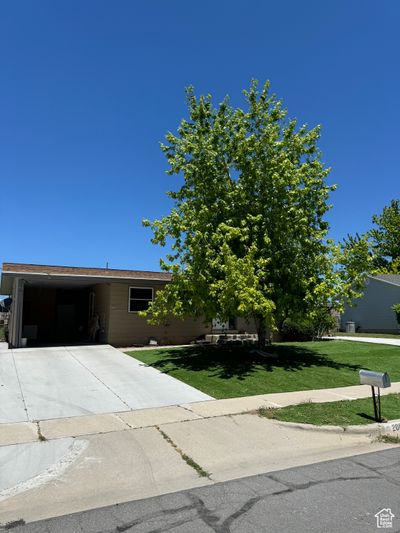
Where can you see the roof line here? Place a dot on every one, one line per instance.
(81, 268)
(384, 281)
(63, 275)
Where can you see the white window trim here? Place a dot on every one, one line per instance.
(144, 299)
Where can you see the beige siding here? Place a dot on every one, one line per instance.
(372, 312)
(246, 325)
(126, 329)
(102, 308)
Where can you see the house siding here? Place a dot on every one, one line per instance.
(372, 312)
(125, 328)
(246, 325)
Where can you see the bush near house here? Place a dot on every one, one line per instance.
(320, 323)
(396, 309)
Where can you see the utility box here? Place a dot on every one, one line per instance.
(374, 379)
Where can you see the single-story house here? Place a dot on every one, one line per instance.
(372, 312)
(58, 304)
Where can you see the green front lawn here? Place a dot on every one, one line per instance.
(344, 413)
(224, 372)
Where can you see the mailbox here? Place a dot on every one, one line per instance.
(375, 379)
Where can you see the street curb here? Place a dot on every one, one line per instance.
(392, 427)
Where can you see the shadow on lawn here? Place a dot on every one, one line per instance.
(368, 417)
(239, 362)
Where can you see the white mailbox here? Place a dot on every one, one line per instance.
(374, 379)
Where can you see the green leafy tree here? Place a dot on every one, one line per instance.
(345, 267)
(247, 227)
(396, 309)
(386, 238)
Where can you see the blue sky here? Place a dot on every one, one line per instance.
(88, 88)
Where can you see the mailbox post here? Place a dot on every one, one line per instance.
(379, 380)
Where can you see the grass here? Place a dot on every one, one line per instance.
(228, 372)
(342, 413)
(377, 335)
(389, 439)
(188, 460)
(41, 437)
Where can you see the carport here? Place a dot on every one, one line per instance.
(50, 309)
(56, 313)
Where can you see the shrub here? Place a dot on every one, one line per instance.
(320, 322)
(297, 330)
(323, 322)
(396, 309)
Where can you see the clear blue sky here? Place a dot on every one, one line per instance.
(88, 88)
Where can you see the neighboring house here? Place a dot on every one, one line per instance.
(56, 305)
(372, 312)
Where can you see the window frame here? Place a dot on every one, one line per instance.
(138, 299)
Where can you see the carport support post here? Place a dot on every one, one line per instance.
(15, 322)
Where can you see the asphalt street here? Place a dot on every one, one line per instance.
(338, 496)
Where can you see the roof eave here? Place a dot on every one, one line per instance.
(385, 281)
(7, 278)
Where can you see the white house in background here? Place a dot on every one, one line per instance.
(372, 312)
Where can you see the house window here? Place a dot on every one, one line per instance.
(139, 298)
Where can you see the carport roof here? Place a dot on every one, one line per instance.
(11, 270)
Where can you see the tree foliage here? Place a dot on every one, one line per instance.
(247, 227)
(386, 238)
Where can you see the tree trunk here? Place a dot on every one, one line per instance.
(280, 323)
(262, 333)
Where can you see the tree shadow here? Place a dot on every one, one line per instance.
(239, 362)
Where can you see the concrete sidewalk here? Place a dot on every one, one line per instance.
(54, 467)
(66, 475)
(372, 340)
(24, 432)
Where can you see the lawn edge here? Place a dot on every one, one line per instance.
(369, 429)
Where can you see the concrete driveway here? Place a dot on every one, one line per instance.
(58, 382)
